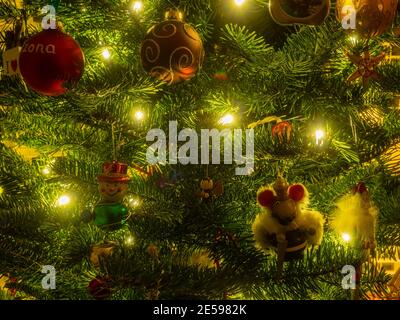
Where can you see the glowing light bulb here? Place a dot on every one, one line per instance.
(137, 6)
(319, 135)
(225, 120)
(63, 200)
(139, 115)
(134, 202)
(129, 240)
(346, 237)
(106, 54)
(353, 39)
(239, 2)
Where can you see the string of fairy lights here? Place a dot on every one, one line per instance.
(65, 199)
(227, 119)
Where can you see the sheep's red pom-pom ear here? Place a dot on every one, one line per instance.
(297, 192)
(265, 197)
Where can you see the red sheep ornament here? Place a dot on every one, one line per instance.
(285, 224)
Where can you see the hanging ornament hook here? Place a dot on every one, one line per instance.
(113, 141)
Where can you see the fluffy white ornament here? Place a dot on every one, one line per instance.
(285, 224)
(356, 216)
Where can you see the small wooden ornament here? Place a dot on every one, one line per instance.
(366, 65)
(113, 182)
(218, 188)
(210, 189)
(207, 184)
(101, 251)
(11, 61)
(283, 131)
(154, 252)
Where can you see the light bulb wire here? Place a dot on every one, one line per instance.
(125, 220)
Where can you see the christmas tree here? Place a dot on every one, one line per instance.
(93, 206)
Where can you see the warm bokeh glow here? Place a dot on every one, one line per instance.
(106, 54)
(319, 135)
(129, 241)
(139, 115)
(346, 237)
(137, 6)
(228, 119)
(63, 200)
(134, 202)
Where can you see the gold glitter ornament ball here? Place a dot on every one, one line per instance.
(172, 50)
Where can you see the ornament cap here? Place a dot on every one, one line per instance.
(60, 26)
(174, 14)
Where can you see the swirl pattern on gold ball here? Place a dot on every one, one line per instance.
(163, 31)
(151, 50)
(172, 51)
(183, 57)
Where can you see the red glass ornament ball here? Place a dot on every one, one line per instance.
(51, 62)
(100, 288)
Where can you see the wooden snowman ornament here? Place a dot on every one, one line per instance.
(110, 213)
(113, 182)
(285, 224)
